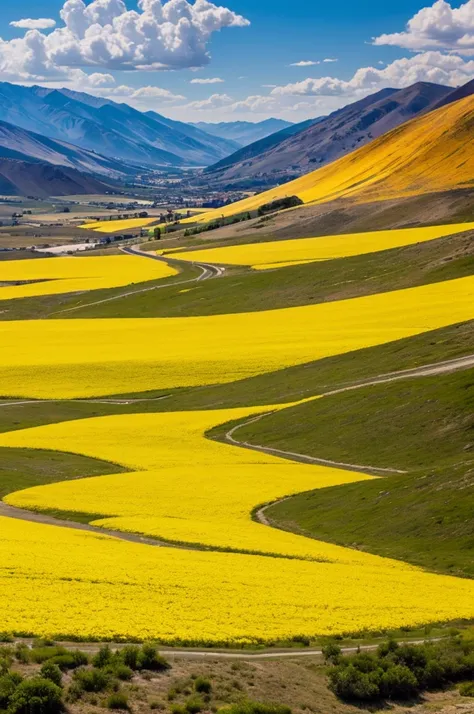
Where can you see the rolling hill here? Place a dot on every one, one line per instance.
(24, 178)
(243, 132)
(114, 130)
(284, 157)
(433, 152)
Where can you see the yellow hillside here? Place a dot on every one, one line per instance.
(434, 152)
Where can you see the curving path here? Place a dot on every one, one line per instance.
(208, 271)
(425, 370)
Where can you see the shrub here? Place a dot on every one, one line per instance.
(70, 660)
(129, 656)
(202, 685)
(103, 657)
(119, 670)
(467, 689)
(148, 658)
(387, 648)
(118, 700)
(6, 660)
(51, 671)
(399, 682)
(91, 680)
(8, 684)
(74, 692)
(194, 705)
(36, 696)
(331, 653)
(280, 203)
(350, 684)
(155, 704)
(177, 709)
(6, 637)
(402, 672)
(22, 653)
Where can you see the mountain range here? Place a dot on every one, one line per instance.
(41, 180)
(285, 156)
(116, 130)
(243, 132)
(432, 152)
(112, 142)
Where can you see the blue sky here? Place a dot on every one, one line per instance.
(254, 60)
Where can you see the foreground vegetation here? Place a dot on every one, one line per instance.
(401, 673)
(47, 678)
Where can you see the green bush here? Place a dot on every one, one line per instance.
(467, 689)
(118, 700)
(194, 705)
(74, 692)
(103, 657)
(6, 637)
(119, 670)
(71, 660)
(6, 660)
(402, 672)
(331, 653)
(8, 684)
(22, 653)
(202, 685)
(91, 680)
(251, 707)
(36, 696)
(51, 671)
(399, 682)
(148, 658)
(279, 204)
(129, 656)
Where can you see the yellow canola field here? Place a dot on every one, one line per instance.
(433, 152)
(275, 254)
(56, 581)
(69, 275)
(115, 226)
(82, 358)
(184, 487)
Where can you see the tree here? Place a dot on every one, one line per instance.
(157, 233)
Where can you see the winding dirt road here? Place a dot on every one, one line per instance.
(422, 371)
(207, 273)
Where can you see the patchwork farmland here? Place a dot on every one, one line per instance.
(105, 388)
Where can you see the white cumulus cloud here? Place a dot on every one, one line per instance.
(304, 63)
(159, 35)
(330, 59)
(215, 101)
(211, 80)
(439, 26)
(431, 66)
(42, 23)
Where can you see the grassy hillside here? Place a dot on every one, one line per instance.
(426, 154)
(422, 426)
(246, 291)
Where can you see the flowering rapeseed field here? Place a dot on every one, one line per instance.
(68, 275)
(184, 487)
(426, 154)
(277, 254)
(115, 226)
(55, 581)
(81, 358)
